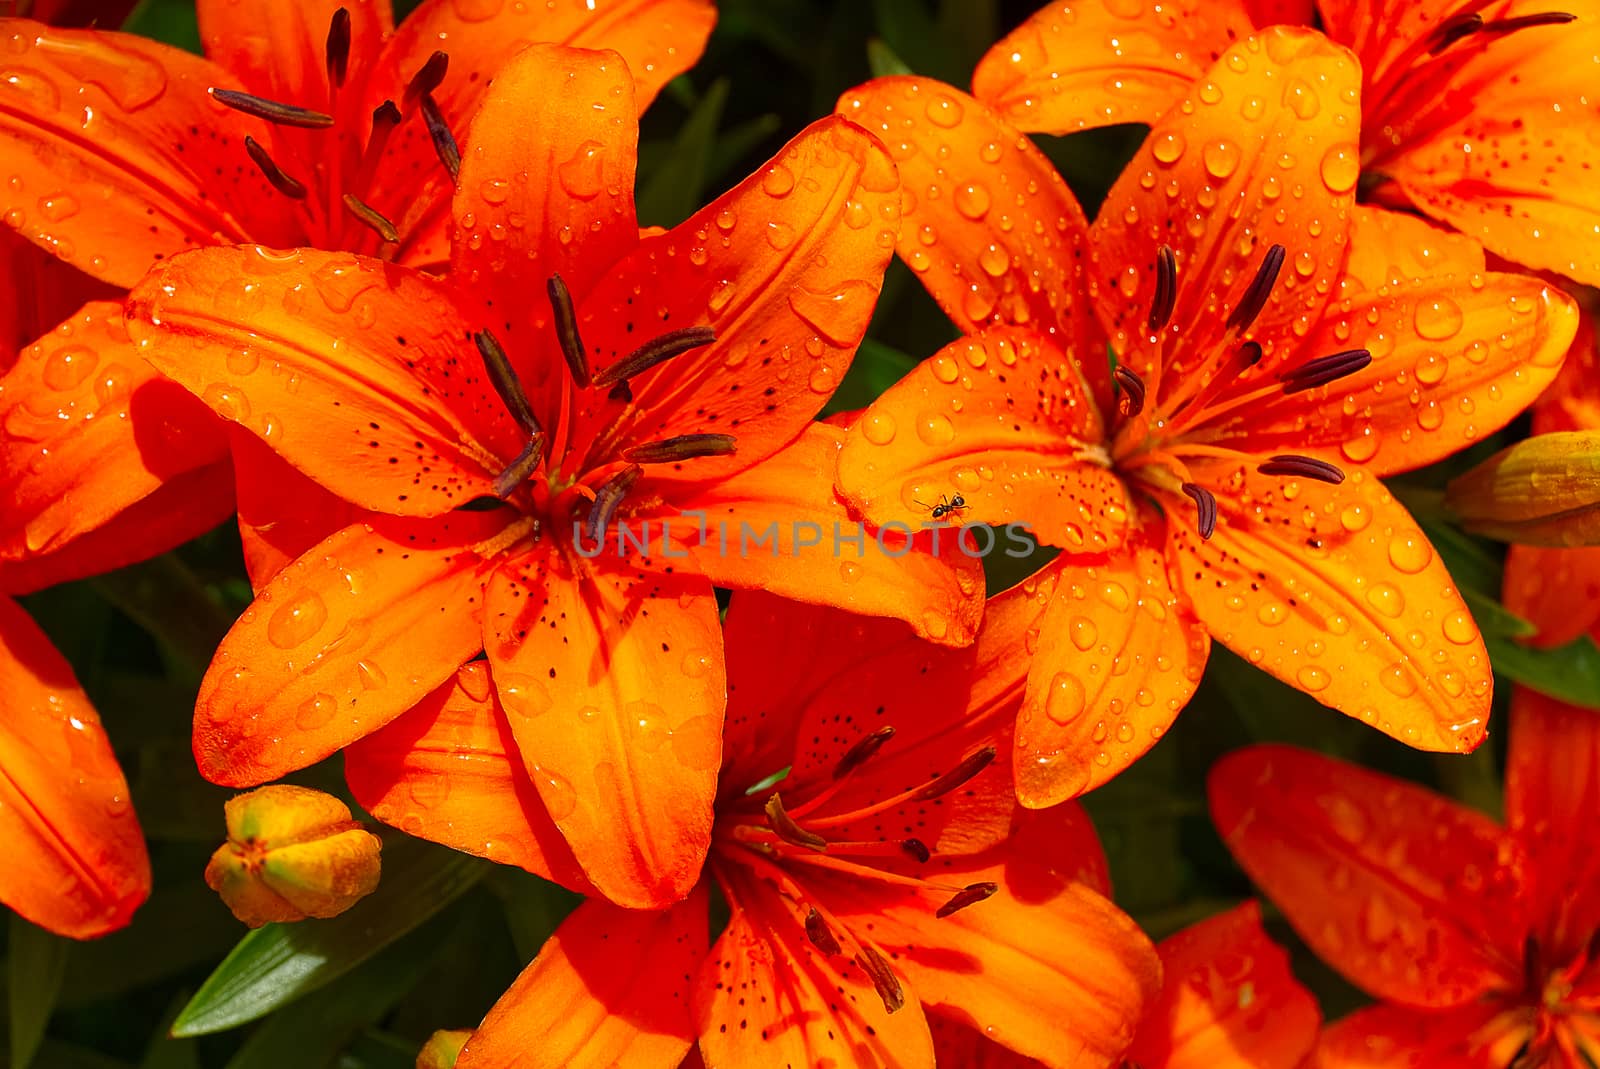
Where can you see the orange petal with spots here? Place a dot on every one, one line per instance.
(1000, 421)
(359, 373)
(90, 430)
(778, 527)
(279, 51)
(1117, 654)
(767, 996)
(611, 674)
(1336, 591)
(132, 197)
(1228, 1001)
(1552, 789)
(1261, 151)
(542, 198)
(184, 507)
(1399, 1037)
(658, 39)
(1388, 248)
(1412, 897)
(1557, 590)
(281, 512)
(341, 642)
(1045, 966)
(785, 268)
(447, 770)
(77, 862)
(610, 987)
(1524, 187)
(989, 227)
(1091, 63)
(1455, 357)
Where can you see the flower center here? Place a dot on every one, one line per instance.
(1413, 97)
(1160, 426)
(822, 835)
(336, 185)
(1556, 993)
(561, 479)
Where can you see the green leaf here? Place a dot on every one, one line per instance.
(1494, 618)
(533, 907)
(883, 61)
(278, 963)
(1570, 673)
(734, 144)
(36, 964)
(876, 367)
(164, 1052)
(677, 187)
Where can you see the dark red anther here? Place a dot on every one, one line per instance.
(1166, 296)
(1249, 355)
(664, 348)
(518, 471)
(820, 934)
(1324, 369)
(1292, 464)
(884, 981)
(427, 78)
(444, 142)
(271, 110)
(970, 766)
(861, 751)
(969, 895)
(338, 47)
(606, 500)
(503, 377)
(1524, 22)
(917, 849)
(1205, 503)
(1131, 403)
(284, 184)
(376, 220)
(1454, 29)
(566, 326)
(682, 447)
(1255, 297)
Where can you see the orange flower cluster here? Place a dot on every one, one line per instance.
(494, 448)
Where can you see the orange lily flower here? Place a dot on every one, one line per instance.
(76, 862)
(410, 396)
(1480, 940)
(885, 882)
(1477, 113)
(313, 123)
(1277, 350)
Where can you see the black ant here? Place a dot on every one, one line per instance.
(945, 506)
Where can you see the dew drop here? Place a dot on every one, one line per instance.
(583, 174)
(1313, 678)
(1221, 158)
(1386, 599)
(972, 201)
(522, 695)
(944, 111)
(556, 792)
(1083, 632)
(297, 620)
(1398, 681)
(1459, 628)
(1410, 553)
(878, 428)
(1340, 167)
(778, 181)
(1168, 148)
(1066, 699)
(67, 368)
(315, 712)
(1438, 320)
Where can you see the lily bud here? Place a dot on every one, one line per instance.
(1543, 491)
(292, 853)
(442, 1049)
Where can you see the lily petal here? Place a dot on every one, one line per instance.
(1399, 1037)
(1552, 789)
(658, 40)
(1336, 591)
(1001, 421)
(405, 424)
(42, 291)
(341, 642)
(157, 158)
(1556, 589)
(1370, 871)
(767, 996)
(990, 227)
(935, 587)
(1045, 966)
(281, 512)
(1279, 115)
(611, 987)
(785, 268)
(1229, 1000)
(1091, 63)
(90, 430)
(78, 865)
(613, 680)
(447, 770)
(1117, 654)
(279, 51)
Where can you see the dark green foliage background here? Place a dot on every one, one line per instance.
(446, 934)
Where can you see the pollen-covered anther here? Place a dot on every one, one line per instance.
(883, 978)
(1131, 400)
(1166, 296)
(861, 751)
(1205, 503)
(427, 78)
(271, 110)
(917, 850)
(820, 934)
(524, 465)
(282, 182)
(658, 351)
(969, 895)
(376, 220)
(1255, 296)
(504, 379)
(444, 142)
(606, 500)
(969, 767)
(786, 828)
(1293, 464)
(1324, 369)
(338, 47)
(682, 447)
(566, 327)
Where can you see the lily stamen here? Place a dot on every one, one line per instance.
(970, 895)
(518, 471)
(1166, 295)
(427, 78)
(282, 182)
(862, 751)
(658, 351)
(965, 770)
(606, 500)
(883, 978)
(444, 142)
(682, 447)
(271, 110)
(820, 934)
(1131, 401)
(337, 50)
(1302, 467)
(503, 377)
(1324, 369)
(786, 828)
(1255, 297)
(566, 327)
(1205, 503)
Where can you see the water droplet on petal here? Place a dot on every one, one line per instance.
(297, 620)
(1065, 700)
(583, 174)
